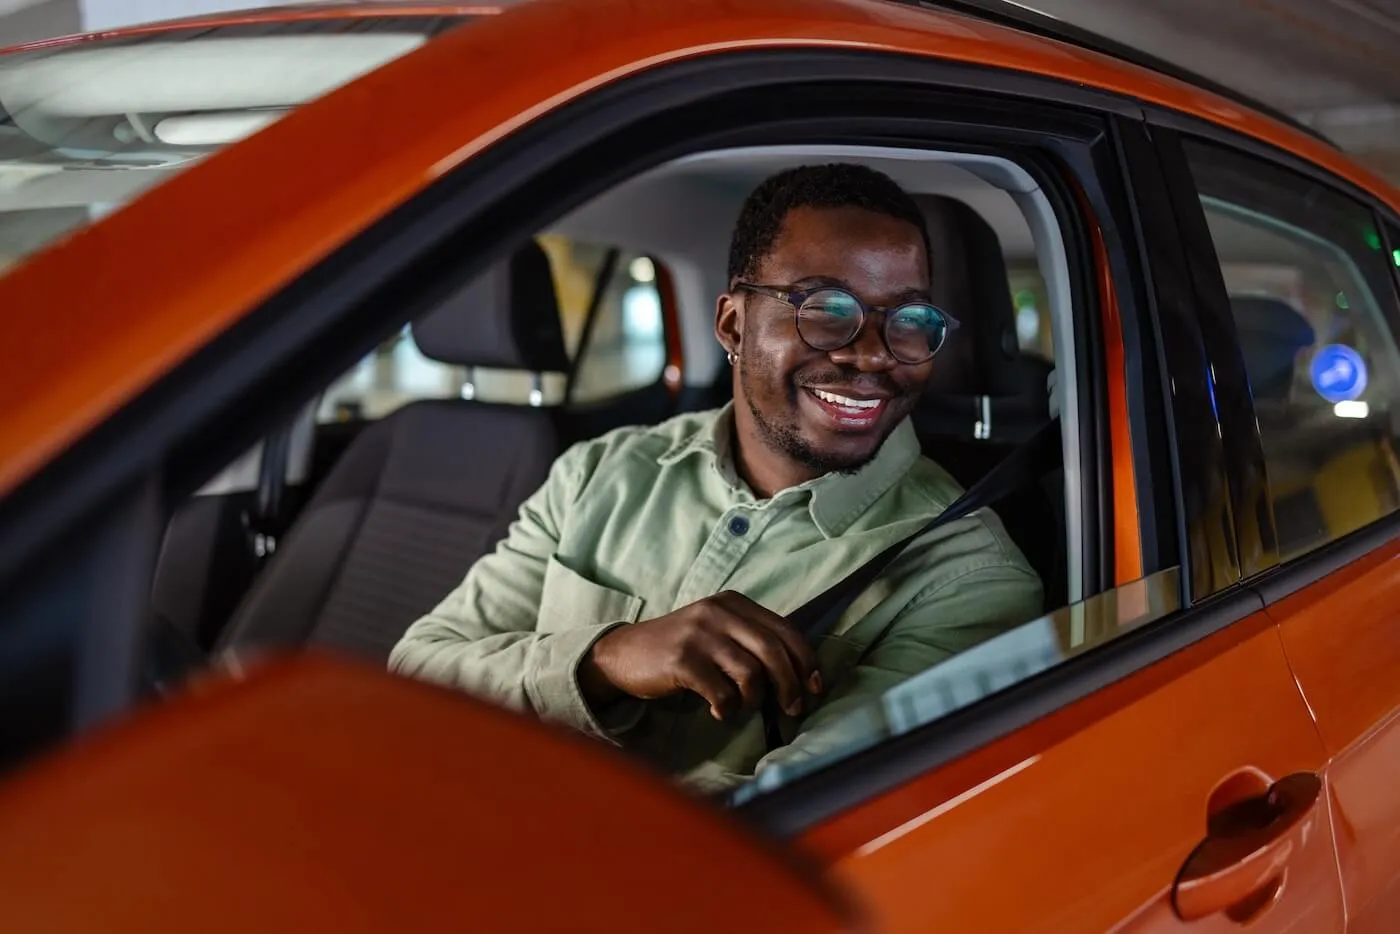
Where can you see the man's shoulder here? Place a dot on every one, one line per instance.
(975, 541)
(644, 446)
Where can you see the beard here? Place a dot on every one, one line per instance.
(783, 435)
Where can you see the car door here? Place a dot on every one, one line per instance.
(1308, 270)
(1138, 761)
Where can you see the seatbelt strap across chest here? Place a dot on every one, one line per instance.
(1024, 466)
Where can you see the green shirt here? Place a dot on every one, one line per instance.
(643, 521)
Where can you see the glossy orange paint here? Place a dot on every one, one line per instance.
(1127, 529)
(1340, 635)
(96, 330)
(1115, 791)
(258, 804)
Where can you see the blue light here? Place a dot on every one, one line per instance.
(1338, 373)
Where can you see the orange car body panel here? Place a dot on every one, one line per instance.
(97, 331)
(1127, 529)
(1340, 634)
(1114, 789)
(262, 804)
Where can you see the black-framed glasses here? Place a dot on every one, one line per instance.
(829, 318)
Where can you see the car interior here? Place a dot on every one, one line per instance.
(371, 504)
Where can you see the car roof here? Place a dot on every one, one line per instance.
(96, 333)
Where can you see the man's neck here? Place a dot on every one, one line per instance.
(767, 472)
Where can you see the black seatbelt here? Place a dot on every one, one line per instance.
(263, 521)
(1031, 460)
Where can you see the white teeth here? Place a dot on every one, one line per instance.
(845, 401)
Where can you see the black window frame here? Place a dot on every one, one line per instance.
(1272, 579)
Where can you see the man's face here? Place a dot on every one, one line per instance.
(793, 393)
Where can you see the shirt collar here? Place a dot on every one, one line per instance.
(837, 500)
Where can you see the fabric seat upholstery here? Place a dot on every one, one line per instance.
(985, 396)
(422, 494)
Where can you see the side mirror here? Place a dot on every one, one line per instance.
(314, 794)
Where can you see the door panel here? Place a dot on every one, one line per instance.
(1085, 826)
(1304, 269)
(1342, 636)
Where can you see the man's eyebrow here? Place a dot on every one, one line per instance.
(912, 294)
(825, 280)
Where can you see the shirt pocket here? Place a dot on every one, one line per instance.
(572, 601)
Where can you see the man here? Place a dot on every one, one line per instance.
(640, 596)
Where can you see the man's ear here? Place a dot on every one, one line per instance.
(729, 322)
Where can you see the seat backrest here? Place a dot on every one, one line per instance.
(207, 557)
(981, 373)
(419, 496)
(985, 396)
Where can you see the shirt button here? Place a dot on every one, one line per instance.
(738, 526)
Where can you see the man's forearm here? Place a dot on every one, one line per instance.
(529, 671)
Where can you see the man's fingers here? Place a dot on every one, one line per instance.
(804, 658)
(777, 664)
(707, 679)
(747, 670)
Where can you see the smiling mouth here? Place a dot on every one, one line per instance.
(849, 411)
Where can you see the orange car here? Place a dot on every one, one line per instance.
(220, 443)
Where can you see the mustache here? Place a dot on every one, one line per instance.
(849, 378)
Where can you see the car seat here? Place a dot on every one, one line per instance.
(419, 496)
(985, 396)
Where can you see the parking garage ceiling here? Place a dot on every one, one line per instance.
(1331, 63)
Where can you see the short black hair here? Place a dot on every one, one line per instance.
(835, 185)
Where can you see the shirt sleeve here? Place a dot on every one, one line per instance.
(483, 637)
(940, 622)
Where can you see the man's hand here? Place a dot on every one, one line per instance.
(726, 648)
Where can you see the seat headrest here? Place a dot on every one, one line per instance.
(508, 318)
(1271, 333)
(968, 272)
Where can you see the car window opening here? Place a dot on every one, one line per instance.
(474, 394)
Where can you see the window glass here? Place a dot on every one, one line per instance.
(626, 349)
(1031, 299)
(1311, 290)
(88, 126)
(992, 666)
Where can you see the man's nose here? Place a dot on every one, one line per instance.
(867, 352)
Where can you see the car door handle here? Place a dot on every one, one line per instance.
(1240, 867)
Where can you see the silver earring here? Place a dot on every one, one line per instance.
(733, 358)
